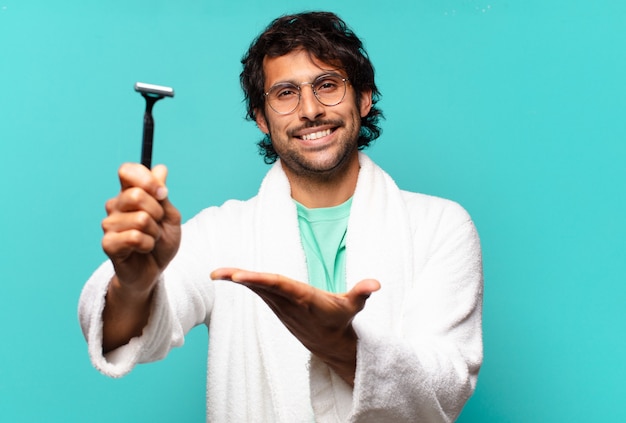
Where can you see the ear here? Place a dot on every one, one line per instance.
(261, 122)
(365, 104)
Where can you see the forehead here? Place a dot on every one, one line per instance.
(297, 66)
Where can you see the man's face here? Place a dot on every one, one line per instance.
(313, 140)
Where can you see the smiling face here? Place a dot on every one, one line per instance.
(314, 141)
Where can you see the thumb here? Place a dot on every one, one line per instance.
(160, 174)
(362, 291)
(172, 215)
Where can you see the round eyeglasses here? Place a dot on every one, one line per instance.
(284, 97)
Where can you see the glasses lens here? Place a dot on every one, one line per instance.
(330, 89)
(283, 98)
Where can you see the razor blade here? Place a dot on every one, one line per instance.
(154, 90)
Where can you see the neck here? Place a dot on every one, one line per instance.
(316, 191)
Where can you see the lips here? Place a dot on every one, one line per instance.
(316, 130)
(316, 135)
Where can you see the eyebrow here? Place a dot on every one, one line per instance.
(297, 84)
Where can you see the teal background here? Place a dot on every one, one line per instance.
(515, 109)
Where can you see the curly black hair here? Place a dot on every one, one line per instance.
(325, 36)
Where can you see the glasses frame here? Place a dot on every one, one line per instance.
(311, 84)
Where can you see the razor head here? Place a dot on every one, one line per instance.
(154, 90)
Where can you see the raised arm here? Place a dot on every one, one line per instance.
(141, 236)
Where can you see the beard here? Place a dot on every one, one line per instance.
(324, 162)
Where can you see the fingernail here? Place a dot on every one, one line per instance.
(161, 193)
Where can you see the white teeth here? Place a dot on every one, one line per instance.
(316, 135)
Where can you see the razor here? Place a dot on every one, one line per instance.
(152, 94)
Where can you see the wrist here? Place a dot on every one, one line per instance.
(341, 357)
(129, 294)
(126, 313)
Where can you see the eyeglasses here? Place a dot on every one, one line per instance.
(284, 97)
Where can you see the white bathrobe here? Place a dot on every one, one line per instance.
(420, 339)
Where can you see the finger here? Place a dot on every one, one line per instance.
(160, 173)
(140, 221)
(272, 282)
(137, 175)
(111, 205)
(136, 199)
(226, 274)
(172, 215)
(277, 287)
(366, 287)
(359, 294)
(223, 273)
(122, 244)
(265, 279)
(245, 276)
(290, 289)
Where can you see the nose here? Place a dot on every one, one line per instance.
(310, 108)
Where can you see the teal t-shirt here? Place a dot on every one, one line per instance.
(323, 234)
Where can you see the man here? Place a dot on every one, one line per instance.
(282, 350)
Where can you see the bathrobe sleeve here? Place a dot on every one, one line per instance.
(183, 299)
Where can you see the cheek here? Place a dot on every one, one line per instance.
(277, 125)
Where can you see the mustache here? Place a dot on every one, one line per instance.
(315, 123)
